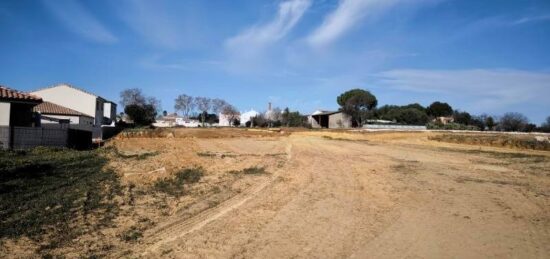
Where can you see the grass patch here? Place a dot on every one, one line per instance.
(255, 170)
(176, 186)
(55, 195)
(132, 234)
(495, 140)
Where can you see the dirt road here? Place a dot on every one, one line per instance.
(375, 199)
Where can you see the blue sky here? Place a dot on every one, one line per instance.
(479, 56)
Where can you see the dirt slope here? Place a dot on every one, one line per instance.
(375, 199)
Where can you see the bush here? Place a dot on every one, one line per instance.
(175, 186)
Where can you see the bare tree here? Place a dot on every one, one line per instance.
(203, 104)
(231, 113)
(513, 121)
(218, 105)
(132, 96)
(273, 115)
(153, 101)
(185, 104)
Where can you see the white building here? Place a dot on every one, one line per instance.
(102, 110)
(227, 120)
(247, 116)
(51, 113)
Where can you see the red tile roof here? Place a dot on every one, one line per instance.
(55, 109)
(14, 95)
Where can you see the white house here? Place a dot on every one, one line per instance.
(102, 110)
(247, 116)
(51, 113)
(227, 120)
(97, 107)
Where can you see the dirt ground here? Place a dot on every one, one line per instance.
(358, 195)
(324, 194)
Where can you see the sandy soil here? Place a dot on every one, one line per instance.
(378, 195)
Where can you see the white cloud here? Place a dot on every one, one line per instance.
(256, 37)
(347, 14)
(77, 19)
(529, 19)
(482, 89)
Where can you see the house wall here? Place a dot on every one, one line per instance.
(109, 111)
(313, 122)
(339, 120)
(5, 114)
(74, 99)
(72, 119)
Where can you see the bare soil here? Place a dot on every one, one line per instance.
(334, 194)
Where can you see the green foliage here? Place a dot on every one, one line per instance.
(50, 194)
(439, 109)
(357, 103)
(142, 115)
(292, 119)
(412, 114)
(462, 118)
(175, 186)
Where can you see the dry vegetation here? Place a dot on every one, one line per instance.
(284, 193)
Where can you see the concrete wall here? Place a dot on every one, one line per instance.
(339, 120)
(72, 98)
(5, 114)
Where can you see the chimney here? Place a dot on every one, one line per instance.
(269, 106)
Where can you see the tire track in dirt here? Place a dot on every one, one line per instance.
(178, 228)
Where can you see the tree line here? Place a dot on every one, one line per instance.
(143, 111)
(361, 105)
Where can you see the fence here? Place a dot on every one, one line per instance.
(50, 136)
(393, 127)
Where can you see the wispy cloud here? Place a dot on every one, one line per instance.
(256, 37)
(530, 19)
(347, 14)
(166, 24)
(77, 19)
(483, 89)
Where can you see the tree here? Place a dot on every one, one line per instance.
(142, 115)
(462, 117)
(513, 121)
(545, 127)
(439, 109)
(164, 113)
(231, 113)
(285, 115)
(218, 105)
(185, 104)
(273, 116)
(357, 103)
(490, 122)
(132, 96)
(203, 104)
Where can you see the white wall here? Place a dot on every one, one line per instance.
(71, 98)
(5, 114)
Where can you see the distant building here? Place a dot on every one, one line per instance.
(227, 120)
(173, 120)
(248, 116)
(444, 119)
(330, 119)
